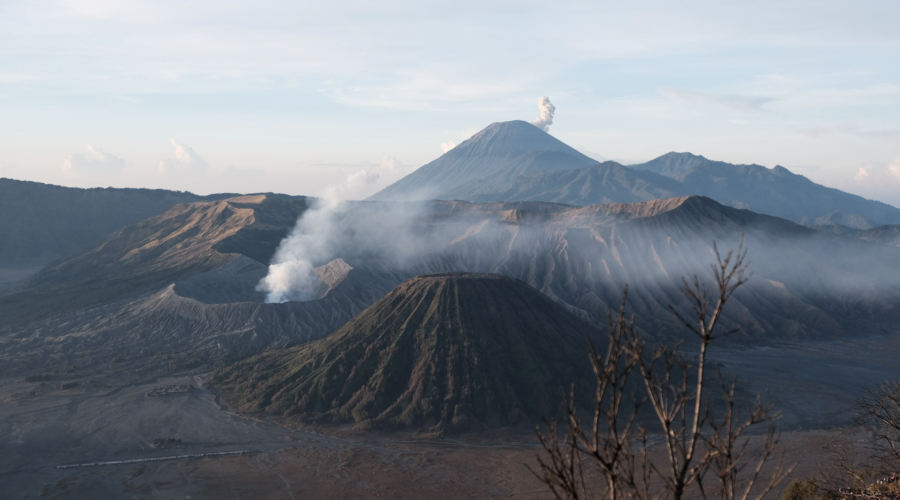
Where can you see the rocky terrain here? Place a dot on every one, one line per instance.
(441, 352)
(167, 300)
(183, 284)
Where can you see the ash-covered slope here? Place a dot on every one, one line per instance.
(440, 352)
(608, 182)
(807, 284)
(495, 155)
(206, 318)
(42, 222)
(146, 257)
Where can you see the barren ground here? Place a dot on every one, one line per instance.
(101, 420)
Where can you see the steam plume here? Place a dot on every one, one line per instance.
(547, 108)
(318, 233)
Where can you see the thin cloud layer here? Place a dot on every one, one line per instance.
(849, 129)
(739, 103)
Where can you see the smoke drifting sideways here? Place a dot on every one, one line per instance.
(332, 228)
(545, 119)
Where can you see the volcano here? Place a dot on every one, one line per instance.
(441, 352)
(516, 161)
(495, 155)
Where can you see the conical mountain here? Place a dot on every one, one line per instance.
(498, 153)
(516, 161)
(440, 352)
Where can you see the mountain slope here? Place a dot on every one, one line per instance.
(515, 161)
(496, 154)
(440, 352)
(42, 222)
(145, 257)
(775, 191)
(608, 182)
(886, 235)
(807, 284)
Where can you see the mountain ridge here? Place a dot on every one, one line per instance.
(515, 161)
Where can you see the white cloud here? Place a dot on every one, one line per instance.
(875, 175)
(731, 102)
(392, 164)
(894, 167)
(447, 146)
(92, 161)
(355, 185)
(186, 161)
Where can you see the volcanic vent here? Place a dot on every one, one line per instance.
(441, 352)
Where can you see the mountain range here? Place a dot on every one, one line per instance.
(186, 281)
(516, 161)
(42, 222)
(545, 237)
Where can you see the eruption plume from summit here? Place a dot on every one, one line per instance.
(547, 108)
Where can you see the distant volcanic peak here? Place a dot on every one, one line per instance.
(449, 351)
(517, 137)
(494, 155)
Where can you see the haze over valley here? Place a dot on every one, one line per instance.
(410, 250)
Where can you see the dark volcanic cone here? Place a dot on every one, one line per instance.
(440, 352)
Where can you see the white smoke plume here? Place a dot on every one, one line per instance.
(321, 231)
(547, 108)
